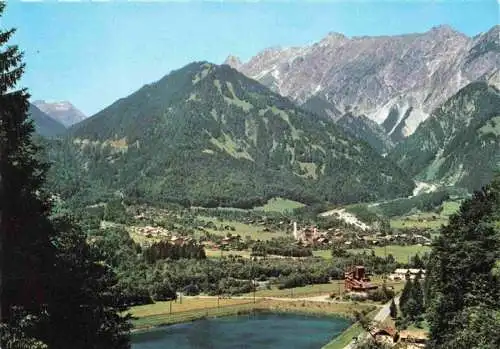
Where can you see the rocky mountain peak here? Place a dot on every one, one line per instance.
(233, 61)
(333, 38)
(444, 30)
(62, 111)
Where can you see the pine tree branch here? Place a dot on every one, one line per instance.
(6, 35)
(10, 58)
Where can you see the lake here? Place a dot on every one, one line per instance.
(253, 331)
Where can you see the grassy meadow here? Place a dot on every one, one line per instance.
(420, 221)
(213, 253)
(279, 205)
(335, 286)
(400, 253)
(299, 292)
(161, 315)
(426, 219)
(255, 232)
(187, 304)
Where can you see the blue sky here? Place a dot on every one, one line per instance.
(94, 53)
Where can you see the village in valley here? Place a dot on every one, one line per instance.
(306, 235)
(333, 183)
(255, 236)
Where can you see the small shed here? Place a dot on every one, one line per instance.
(418, 338)
(385, 335)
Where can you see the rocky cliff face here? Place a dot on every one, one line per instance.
(64, 112)
(394, 80)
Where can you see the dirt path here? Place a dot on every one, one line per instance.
(319, 299)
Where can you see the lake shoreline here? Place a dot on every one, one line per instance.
(284, 329)
(315, 309)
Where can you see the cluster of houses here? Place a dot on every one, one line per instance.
(162, 234)
(402, 274)
(227, 240)
(386, 239)
(312, 236)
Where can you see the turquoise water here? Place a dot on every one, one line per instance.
(254, 331)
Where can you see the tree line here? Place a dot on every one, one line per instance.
(55, 292)
(460, 295)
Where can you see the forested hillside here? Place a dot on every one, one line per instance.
(207, 135)
(460, 143)
(358, 126)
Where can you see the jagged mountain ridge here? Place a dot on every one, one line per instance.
(208, 135)
(460, 143)
(403, 77)
(44, 124)
(64, 112)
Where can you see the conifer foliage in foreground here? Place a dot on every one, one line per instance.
(463, 291)
(54, 292)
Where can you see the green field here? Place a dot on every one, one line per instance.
(187, 304)
(431, 220)
(418, 221)
(255, 232)
(427, 219)
(400, 253)
(164, 317)
(450, 207)
(326, 254)
(335, 286)
(298, 292)
(280, 205)
(211, 253)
